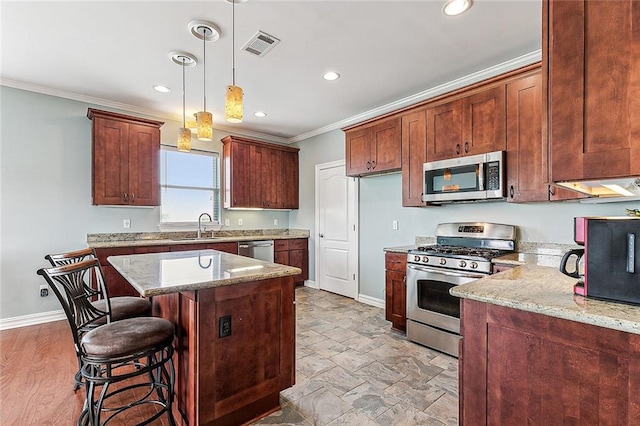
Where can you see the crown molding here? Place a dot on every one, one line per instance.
(467, 80)
(475, 77)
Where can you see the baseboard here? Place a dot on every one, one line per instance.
(311, 284)
(31, 319)
(373, 301)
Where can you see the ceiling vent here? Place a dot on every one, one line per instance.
(260, 44)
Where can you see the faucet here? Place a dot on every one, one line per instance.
(199, 222)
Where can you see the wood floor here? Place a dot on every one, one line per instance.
(36, 378)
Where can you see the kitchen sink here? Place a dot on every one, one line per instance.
(196, 239)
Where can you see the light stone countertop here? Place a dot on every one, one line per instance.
(155, 274)
(545, 290)
(134, 239)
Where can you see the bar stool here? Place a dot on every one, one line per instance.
(119, 307)
(124, 351)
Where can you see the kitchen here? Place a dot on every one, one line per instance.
(54, 186)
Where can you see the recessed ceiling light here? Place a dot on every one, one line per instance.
(161, 89)
(331, 75)
(260, 114)
(456, 7)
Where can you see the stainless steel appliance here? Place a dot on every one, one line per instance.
(261, 250)
(462, 254)
(609, 264)
(474, 177)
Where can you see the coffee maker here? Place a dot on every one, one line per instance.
(608, 265)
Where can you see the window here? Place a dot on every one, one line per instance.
(190, 185)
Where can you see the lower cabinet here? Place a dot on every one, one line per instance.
(118, 286)
(518, 368)
(396, 290)
(294, 252)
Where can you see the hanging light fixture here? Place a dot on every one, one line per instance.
(184, 134)
(233, 98)
(204, 31)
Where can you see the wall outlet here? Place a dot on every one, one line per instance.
(227, 222)
(239, 222)
(394, 225)
(224, 326)
(126, 223)
(44, 290)
(275, 222)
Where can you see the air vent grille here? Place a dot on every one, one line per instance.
(260, 44)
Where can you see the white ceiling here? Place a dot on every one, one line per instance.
(387, 52)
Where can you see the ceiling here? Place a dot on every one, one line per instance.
(389, 54)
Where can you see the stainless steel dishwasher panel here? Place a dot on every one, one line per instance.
(261, 250)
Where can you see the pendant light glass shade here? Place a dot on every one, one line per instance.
(205, 126)
(184, 139)
(233, 104)
(192, 124)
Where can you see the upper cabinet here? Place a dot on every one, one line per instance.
(414, 155)
(591, 52)
(472, 124)
(259, 174)
(126, 159)
(374, 148)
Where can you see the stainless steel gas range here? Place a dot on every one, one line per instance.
(462, 254)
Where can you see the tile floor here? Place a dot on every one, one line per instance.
(351, 369)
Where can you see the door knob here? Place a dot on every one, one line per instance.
(321, 235)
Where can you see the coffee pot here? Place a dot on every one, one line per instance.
(578, 270)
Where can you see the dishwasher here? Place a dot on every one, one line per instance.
(261, 250)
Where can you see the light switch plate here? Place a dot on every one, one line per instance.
(226, 222)
(126, 223)
(394, 225)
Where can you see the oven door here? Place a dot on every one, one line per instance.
(428, 298)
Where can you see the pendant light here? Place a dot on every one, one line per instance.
(184, 134)
(233, 98)
(204, 31)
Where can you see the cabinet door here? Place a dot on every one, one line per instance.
(300, 259)
(256, 177)
(358, 152)
(237, 186)
(281, 257)
(230, 247)
(527, 161)
(110, 162)
(444, 131)
(396, 299)
(271, 177)
(116, 284)
(414, 155)
(386, 146)
(483, 121)
(593, 61)
(290, 181)
(144, 163)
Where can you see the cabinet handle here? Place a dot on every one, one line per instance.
(511, 191)
(373, 164)
(133, 197)
(466, 147)
(552, 191)
(126, 197)
(368, 165)
(458, 148)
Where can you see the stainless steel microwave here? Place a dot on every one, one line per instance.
(470, 178)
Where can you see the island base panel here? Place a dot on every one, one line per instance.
(235, 379)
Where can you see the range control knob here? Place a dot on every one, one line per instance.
(474, 265)
(416, 258)
(443, 261)
(425, 259)
(462, 264)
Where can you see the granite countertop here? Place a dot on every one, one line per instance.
(545, 290)
(155, 274)
(134, 239)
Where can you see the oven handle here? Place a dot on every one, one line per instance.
(445, 272)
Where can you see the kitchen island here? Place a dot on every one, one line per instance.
(235, 329)
(534, 353)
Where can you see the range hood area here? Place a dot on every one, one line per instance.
(606, 190)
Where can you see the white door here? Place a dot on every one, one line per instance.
(336, 227)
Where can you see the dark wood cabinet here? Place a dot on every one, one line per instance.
(126, 159)
(259, 174)
(472, 124)
(591, 54)
(414, 155)
(519, 367)
(396, 290)
(374, 148)
(293, 252)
